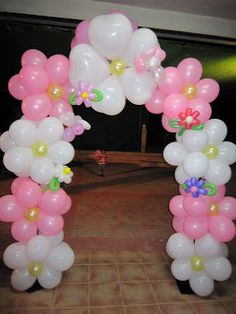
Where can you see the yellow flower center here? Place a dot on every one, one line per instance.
(54, 91)
(197, 263)
(39, 149)
(66, 170)
(35, 268)
(31, 214)
(84, 95)
(190, 91)
(117, 67)
(211, 151)
(214, 210)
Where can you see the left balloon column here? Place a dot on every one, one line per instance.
(36, 151)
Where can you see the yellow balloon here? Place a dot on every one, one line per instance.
(31, 214)
(190, 91)
(211, 151)
(39, 149)
(214, 209)
(35, 268)
(54, 91)
(197, 263)
(117, 67)
(66, 170)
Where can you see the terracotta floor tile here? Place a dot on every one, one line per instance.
(105, 294)
(40, 298)
(102, 257)
(230, 305)
(75, 295)
(7, 311)
(177, 308)
(226, 288)
(137, 293)
(142, 309)
(81, 257)
(128, 257)
(103, 273)
(210, 307)
(106, 310)
(158, 271)
(131, 272)
(77, 273)
(152, 257)
(9, 297)
(167, 292)
(66, 310)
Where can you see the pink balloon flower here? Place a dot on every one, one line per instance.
(31, 210)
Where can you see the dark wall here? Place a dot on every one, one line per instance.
(121, 132)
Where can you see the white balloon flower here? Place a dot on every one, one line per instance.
(202, 153)
(41, 258)
(34, 149)
(201, 262)
(120, 63)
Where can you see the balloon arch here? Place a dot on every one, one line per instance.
(112, 60)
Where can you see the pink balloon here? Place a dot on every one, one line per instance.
(10, 210)
(50, 225)
(208, 89)
(81, 33)
(16, 183)
(57, 68)
(178, 223)
(28, 194)
(165, 124)
(68, 135)
(195, 227)
(176, 205)
(203, 107)
(228, 207)
(220, 193)
(53, 203)
(190, 70)
(196, 207)
(34, 57)
(67, 206)
(171, 82)
(174, 104)
(16, 89)
(59, 108)
(23, 230)
(222, 228)
(73, 43)
(36, 107)
(33, 78)
(77, 128)
(155, 103)
(68, 89)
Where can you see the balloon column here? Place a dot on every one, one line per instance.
(112, 60)
(203, 215)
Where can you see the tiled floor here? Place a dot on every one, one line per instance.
(117, 228)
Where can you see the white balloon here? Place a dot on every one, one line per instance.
(15, 256)
(42, 170)
(218, 172)
(179, 246)
(181, 269)
(49, 278)
(57, 239)
(18, 159)
(227, 152)
(110, 34)
(61, 152)
(207, 246)
(141, 40)
(6, 142)
(218, 268)
(174, 153)
(201, 283)
(61, 258)
(113, 101)
(84, 63)
(67, 118)
(217, 131)
(22, 280)
(181, 175)
(23, 133)
(196, 164)
(195, 141)
(85, 124)
(50, 130)
(138, 88)
(38, 248)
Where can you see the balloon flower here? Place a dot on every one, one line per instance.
(35, 149)
(119, 63)
(201, 262)
(202, 153)
(39, 259)
(31, 211)
(42, 85)
(183, 97)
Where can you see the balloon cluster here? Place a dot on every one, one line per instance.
(112, 60)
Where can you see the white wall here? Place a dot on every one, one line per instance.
(87, 9)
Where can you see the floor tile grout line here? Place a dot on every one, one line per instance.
(118, 277)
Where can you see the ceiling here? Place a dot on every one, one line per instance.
(215, 8)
